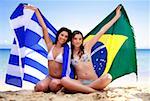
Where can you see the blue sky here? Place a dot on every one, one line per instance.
(81, 15)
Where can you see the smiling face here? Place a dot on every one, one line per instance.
(77, 40)
(63, 37)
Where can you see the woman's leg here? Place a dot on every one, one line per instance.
(55, 85)
(101, 82)
(43, 85)
(75, 85)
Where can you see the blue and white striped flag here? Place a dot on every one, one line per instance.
(28, 59)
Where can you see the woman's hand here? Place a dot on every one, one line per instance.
(118, 12)
(30, 7)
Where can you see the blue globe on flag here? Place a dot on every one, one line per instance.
(99, 58)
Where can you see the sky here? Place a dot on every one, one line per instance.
(81, 15)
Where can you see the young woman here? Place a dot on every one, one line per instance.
(87, 80)
(55, 56)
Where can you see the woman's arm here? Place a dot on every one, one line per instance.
(43, 25)
(90, 43)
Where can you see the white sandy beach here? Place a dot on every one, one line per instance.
(132, 92)
(122, 89)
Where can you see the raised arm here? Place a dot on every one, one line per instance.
(43, 25)
(90, 43)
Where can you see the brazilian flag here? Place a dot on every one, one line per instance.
(115, 52)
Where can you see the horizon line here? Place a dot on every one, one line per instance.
(136, 48)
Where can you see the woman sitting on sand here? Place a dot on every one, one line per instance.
(87, 79)
(55, 55)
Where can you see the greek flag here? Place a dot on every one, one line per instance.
(28, 58)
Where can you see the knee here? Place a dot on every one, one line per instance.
(55, 85)
(109, 77)
(40, 87)
(106, 79)
(64, 80)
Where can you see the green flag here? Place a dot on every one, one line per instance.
(119, 44)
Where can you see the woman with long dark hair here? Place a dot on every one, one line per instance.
(87, 79)
(55, 55)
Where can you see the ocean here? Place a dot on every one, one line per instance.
(143, 62)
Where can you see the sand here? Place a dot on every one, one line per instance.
(111, 93)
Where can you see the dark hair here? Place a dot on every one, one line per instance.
(81, 47)
(61, 30)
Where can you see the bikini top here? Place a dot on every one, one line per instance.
(84, 58)
(59, 57)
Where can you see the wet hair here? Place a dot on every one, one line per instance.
(81, 51)
(61, 30)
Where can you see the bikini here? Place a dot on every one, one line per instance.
(59, 59)
(84, 58)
